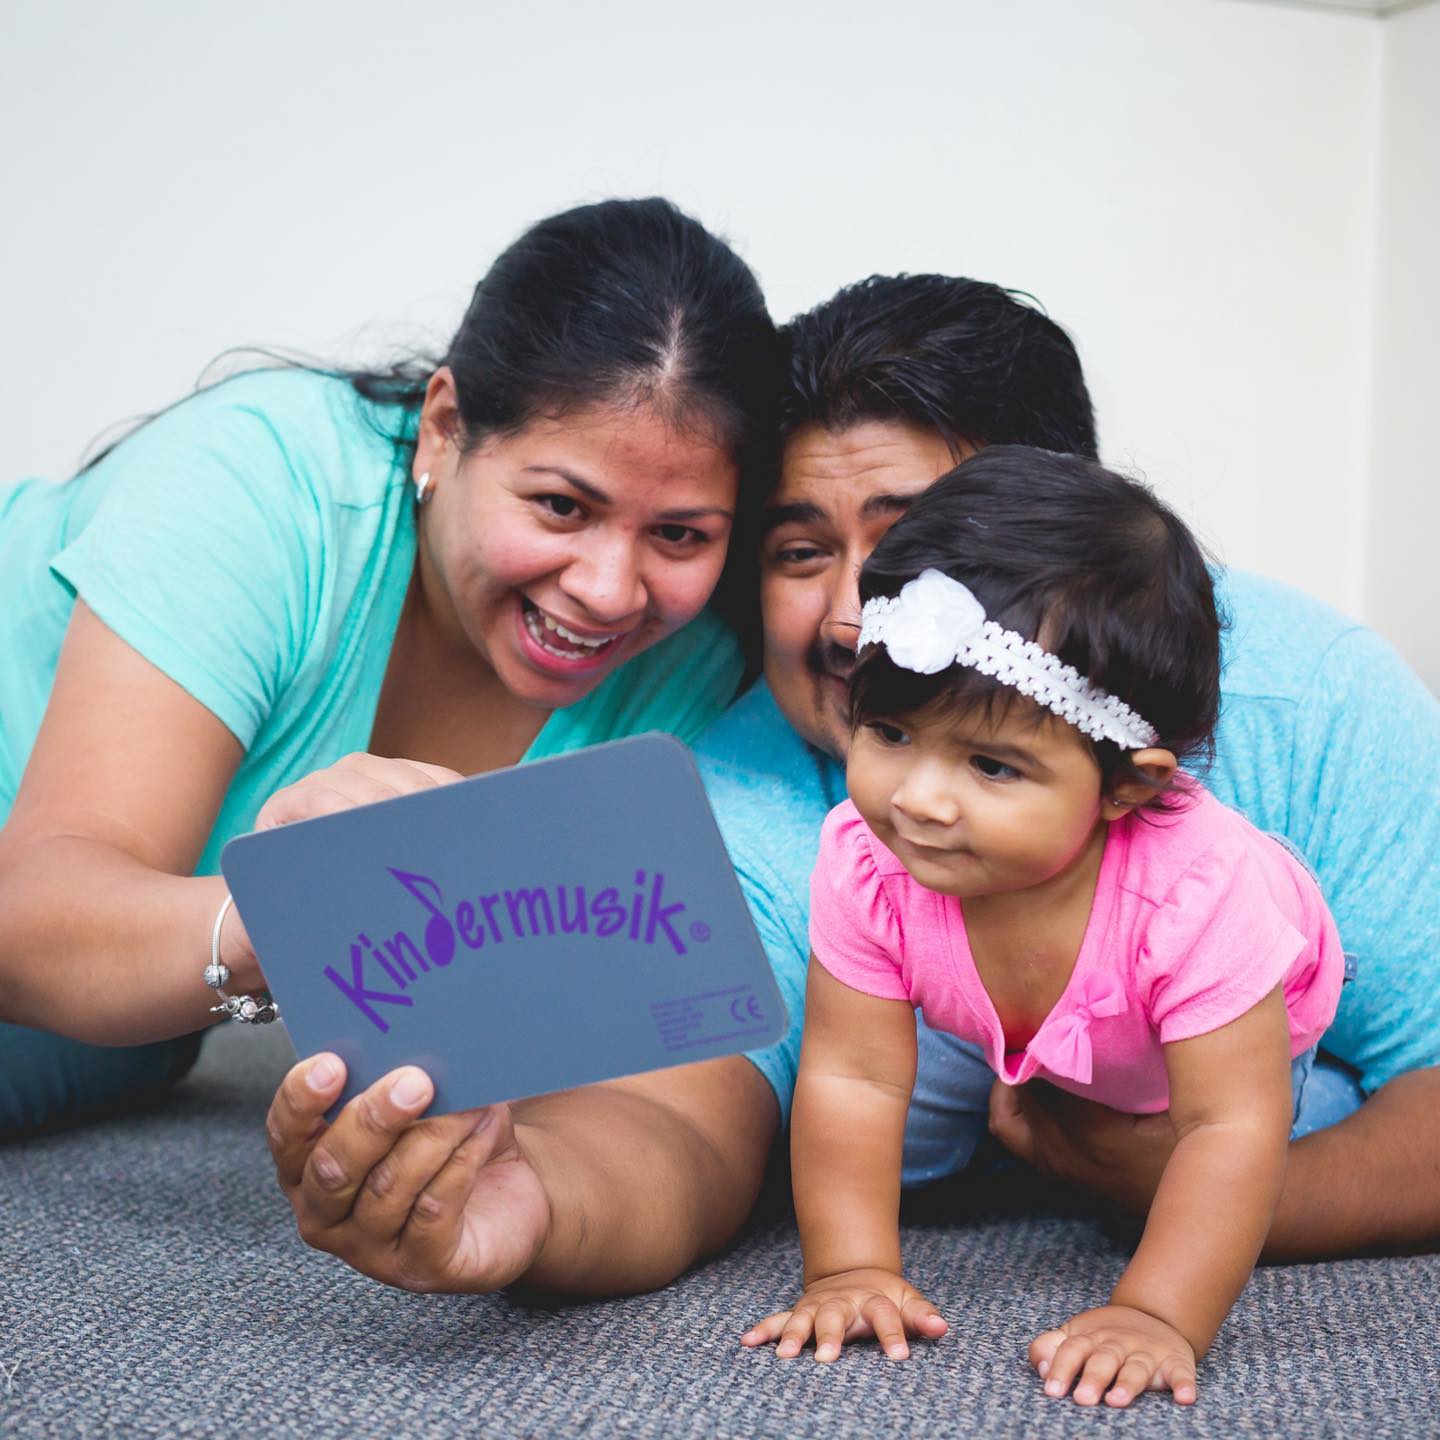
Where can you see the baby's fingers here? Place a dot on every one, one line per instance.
(795, 1332)
(1101, 1368)
(1133, 1378)
(832, 1324)
(1043, 1348)
(1177, 1375)
(888, 1324)
(1066, 1362)
(767, 1331)
(922, 1318)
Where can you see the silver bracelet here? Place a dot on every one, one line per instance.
(247, 1009)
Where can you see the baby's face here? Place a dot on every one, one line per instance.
(974, 805)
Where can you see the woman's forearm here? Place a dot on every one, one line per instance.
(645, 1176)
(98, 946)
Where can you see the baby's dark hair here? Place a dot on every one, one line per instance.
(1089, 564)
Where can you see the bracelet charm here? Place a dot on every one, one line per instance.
(245, 1009)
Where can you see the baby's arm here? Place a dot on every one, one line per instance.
(857, 1069)
(1231, 1105)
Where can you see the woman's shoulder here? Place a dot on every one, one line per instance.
(286, 432)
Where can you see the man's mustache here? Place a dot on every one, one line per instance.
(828, 660)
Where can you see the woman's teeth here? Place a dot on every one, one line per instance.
(544, 631)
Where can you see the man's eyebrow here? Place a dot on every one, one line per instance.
(886, 504)
(800, 512)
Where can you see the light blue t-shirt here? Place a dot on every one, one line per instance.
(1325, 737)
(255, 544)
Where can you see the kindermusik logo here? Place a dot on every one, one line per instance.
(506, 915)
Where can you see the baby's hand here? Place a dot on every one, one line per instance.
(851, 1305)
(1117, 1352)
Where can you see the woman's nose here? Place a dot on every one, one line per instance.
(605, 581)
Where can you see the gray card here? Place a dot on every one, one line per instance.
(565, 921)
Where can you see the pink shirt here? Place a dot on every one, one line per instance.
(1197, 916)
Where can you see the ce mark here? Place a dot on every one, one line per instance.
(745, 1008)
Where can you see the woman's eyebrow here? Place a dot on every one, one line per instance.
(589, 491)
(599, 497)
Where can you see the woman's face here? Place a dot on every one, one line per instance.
(558, 553)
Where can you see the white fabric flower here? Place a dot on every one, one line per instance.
(932, 622)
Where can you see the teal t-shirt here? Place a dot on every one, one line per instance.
(255, 544)
(1326, 737)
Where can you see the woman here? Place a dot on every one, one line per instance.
(506, 558)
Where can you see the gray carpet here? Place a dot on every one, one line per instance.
(151, 1284)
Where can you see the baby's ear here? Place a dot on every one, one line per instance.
(1158, 768)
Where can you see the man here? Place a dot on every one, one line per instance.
(1326, 737)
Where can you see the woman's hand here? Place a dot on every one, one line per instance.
(448, 1203)
(358, 779)
(1116, 1352)
(852, 1305)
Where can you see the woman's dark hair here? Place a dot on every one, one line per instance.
(969, 360)
(1089, 564)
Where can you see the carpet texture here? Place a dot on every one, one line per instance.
(151, 1284)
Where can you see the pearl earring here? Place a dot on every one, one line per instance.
(421, 486)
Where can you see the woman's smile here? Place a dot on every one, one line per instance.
(561, 648)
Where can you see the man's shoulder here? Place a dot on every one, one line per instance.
(1279, 638)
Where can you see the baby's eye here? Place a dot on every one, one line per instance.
(993, 769)
(886, 733)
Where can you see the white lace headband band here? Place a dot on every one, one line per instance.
(935, 622)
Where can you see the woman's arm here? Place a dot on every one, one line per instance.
(604, 1190)
(103, 932)
(1231, 1103)
(857, 1070)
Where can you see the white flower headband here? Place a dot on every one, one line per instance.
(935, 622)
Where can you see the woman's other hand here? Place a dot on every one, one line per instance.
(1117, 1156)
(447, 1203)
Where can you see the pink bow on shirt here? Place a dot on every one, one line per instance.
(1063, 1045)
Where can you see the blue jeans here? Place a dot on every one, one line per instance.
(950, 1109)
(48, 1080)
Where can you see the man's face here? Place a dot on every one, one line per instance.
(839, 493)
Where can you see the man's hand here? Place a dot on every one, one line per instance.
(446, 1203)
(854, 1305)
(1114, 1353)
(1117, 1156)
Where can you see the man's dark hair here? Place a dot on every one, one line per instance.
(972, 361)
(1091, 565)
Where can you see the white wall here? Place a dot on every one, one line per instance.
(1403, 572)
(1188, 185)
